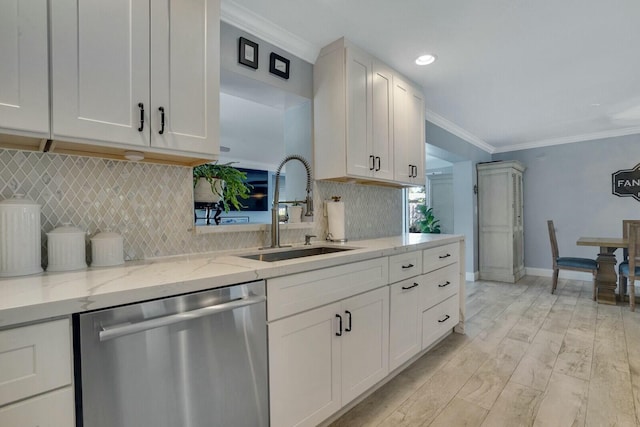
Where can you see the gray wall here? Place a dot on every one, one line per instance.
(300, 80)
(464, 157)
(571, 184)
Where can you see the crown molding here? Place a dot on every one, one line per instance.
(569, 139)
(451, 127)
(247, 20)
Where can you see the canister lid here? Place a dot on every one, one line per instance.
(106, 235)
(66, 228)
(18, 199)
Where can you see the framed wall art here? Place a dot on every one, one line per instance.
(279, 65)
(248, 53)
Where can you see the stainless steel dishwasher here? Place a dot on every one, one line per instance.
(196, 360)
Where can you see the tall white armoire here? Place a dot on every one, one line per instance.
(500, 221)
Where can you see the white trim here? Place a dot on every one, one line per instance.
(246, 20)
(453, 128)
(564, 274)
(472, 276)
(569, 139)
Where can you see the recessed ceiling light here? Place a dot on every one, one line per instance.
(426, 59)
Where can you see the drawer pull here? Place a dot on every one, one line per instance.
(444, 284)
(339, 333)
(409, 287)
(348, 329)
(407, 266)
(444, 256)
(446, 317)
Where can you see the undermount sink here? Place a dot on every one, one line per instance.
(295, 253)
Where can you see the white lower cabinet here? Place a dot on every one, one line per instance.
(35, 375)
(321, 359)
(54, 409)
(405, 322)
(336, 333)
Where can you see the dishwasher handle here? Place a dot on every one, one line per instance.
(126, 329)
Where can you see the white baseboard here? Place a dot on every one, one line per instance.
(564, 274)
(472, 276)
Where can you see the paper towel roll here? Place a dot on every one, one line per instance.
(335, 212)
(295, 214)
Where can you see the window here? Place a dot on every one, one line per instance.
(413, 196)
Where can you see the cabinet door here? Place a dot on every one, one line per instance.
(416, 142)
(54, 409)
(495, 224)
(518, 227)
(405, 321)
(382, 120)
(408, 134)
(100, 70)
(365, 343)
(304, 367)
(360, 158)
(185, 69)
(34, 359)
(24, 86)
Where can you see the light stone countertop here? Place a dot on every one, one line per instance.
(46, 295)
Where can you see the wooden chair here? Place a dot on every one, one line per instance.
(569, 263)
(625, 255)
(631, 268)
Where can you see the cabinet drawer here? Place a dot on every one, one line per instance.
(53, 409)
(439, 319)
(441, 256)
(34, 359)
(439, 285)
(299, 292)
(403, 266)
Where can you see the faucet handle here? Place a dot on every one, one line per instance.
(307, 238)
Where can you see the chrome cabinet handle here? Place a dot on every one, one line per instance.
(161, 109)
(410, 287)
(141, 107)
(117, 331)
(348, 329)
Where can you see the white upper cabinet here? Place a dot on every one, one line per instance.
(24, 81)
(136, 73)
(409, 128)
(354, 118)
(382, 120)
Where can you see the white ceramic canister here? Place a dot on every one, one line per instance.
(107, 249)
(66, 248)
(20, 251)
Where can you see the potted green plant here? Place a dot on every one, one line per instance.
(427, 222)
(222, 183)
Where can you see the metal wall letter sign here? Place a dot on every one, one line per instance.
(626, 183)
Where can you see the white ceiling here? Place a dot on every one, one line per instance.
(510, 74)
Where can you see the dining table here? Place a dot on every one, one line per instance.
(606, 276)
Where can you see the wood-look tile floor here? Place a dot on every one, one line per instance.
(528, 358)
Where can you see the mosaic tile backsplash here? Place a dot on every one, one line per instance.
(151, 205)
